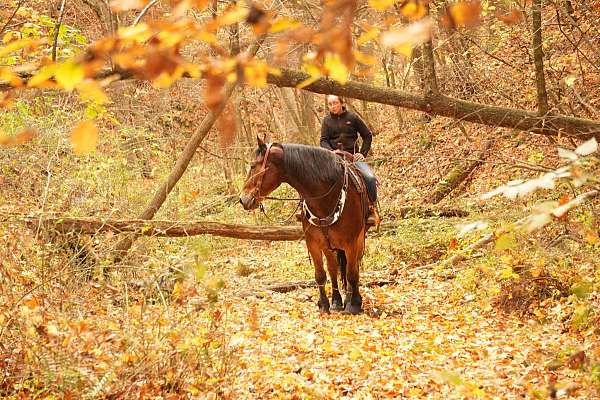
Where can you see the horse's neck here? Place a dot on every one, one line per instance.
(321, 198)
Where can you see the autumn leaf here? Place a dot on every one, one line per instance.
(506, 241)
(404, 39)
(126, 5)
(413, 10)
(461, 14)
(8, 76)
(336, 69)
(381, 4)
(513, 17)
(256, 73)
(234, 15)
(84, 138)
(18, 45)
(69, 74)
(91, 90)
(284, 23)
(6, 100)
(367, 36)
(22, 137)
(41, 78)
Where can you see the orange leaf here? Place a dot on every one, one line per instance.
(462, 14)
(84, 138)
(125, 5)
(513, 17)
(22, 137)
(453, 243)
(32, 302)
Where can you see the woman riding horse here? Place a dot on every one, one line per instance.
(335, 208)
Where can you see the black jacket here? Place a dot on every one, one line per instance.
(345, 128)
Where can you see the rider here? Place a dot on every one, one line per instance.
(340, 131)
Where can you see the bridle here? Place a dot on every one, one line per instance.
(312, 218)
(261, 174)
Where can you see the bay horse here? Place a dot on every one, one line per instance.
(335, 208)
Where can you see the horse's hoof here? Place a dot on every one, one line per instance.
(352, 310)
(324, 308)
(337, 307)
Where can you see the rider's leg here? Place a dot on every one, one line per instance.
(371, 183)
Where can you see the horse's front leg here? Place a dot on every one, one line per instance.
(320, 275)
(333, 267)
(353, 300)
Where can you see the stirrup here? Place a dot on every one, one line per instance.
(373, 219)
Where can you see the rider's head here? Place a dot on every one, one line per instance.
(335, 104)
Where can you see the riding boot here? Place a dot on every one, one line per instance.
(373, 219)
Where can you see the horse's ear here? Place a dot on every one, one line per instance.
(261, 143)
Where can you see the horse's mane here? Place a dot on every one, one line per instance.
(314, 164)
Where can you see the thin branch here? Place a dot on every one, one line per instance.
(57, 29)
(144, 11)
(12, 16)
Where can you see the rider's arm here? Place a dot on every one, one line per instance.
(325, 135)
(365, 134)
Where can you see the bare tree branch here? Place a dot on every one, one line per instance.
(12, 16)
(57, 29)
(144, 11)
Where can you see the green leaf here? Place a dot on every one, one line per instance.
(582, 289)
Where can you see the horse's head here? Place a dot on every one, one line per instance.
(265, 175)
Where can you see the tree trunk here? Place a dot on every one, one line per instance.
(538, 57)
(287, 97)
(456, 176)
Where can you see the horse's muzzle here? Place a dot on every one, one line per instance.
(248, 201)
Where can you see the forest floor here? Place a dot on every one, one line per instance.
(193, 318)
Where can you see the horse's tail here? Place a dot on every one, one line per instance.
(341, 257)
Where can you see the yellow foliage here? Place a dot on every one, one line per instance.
(69, 74)
(336, 69)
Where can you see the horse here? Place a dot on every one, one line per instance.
(335, 209)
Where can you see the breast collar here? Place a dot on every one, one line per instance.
(337, 211)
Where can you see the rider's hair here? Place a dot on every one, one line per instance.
(340, 98)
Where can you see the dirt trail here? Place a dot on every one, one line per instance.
(425, 344)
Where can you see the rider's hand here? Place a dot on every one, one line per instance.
(358, 157)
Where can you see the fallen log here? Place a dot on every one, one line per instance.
(164, 228)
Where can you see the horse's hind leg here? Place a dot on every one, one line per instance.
(341, 259)
(353, 301)
(320, 274)
(332, 267)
